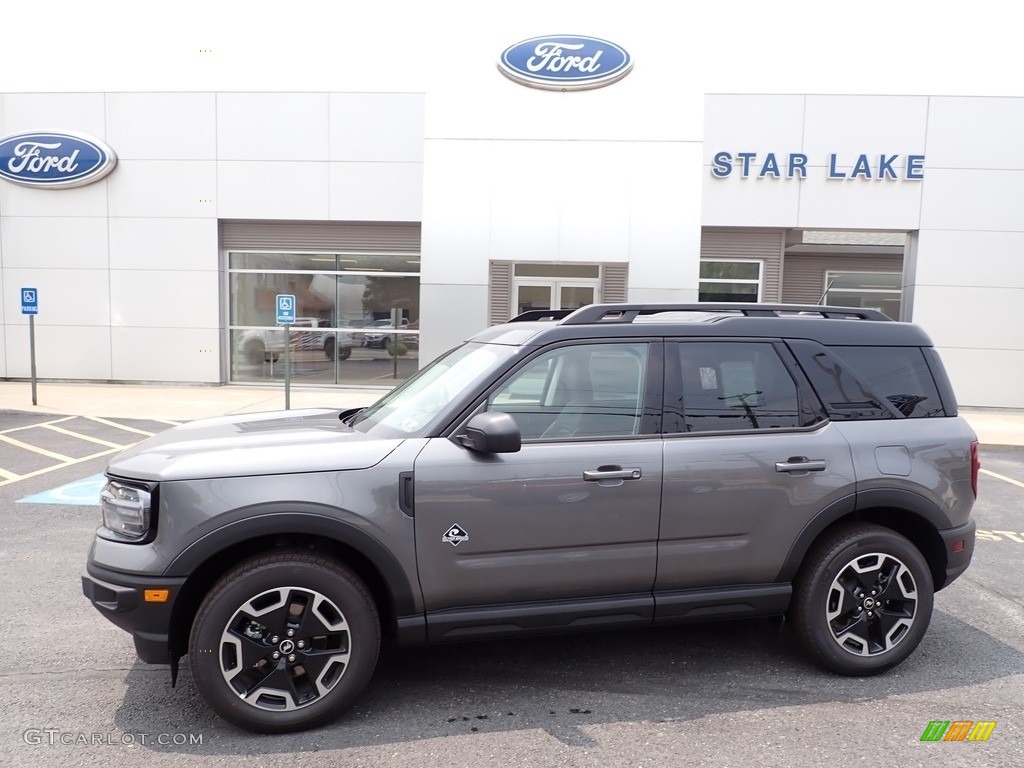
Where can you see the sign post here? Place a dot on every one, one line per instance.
(286, 317)
(30, 307)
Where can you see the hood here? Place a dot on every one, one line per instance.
(274, 443)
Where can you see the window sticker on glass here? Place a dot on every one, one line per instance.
(708, 378)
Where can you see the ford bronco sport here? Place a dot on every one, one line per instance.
(622, 465)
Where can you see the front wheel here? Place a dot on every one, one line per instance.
(284, 642)
(863, 600)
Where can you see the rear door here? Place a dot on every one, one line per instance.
(749, 460)
(572, 517)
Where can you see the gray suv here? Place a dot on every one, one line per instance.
(622, 465)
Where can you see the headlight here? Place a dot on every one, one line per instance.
(125, 511)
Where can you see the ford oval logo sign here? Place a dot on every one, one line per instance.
(54, 159)
(565, 62)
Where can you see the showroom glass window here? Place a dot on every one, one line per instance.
(730, 280)
(357, 317)
(869, 290)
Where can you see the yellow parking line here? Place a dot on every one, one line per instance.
(83, 437)
(9, 475)
(1002, 477)
(35, 449)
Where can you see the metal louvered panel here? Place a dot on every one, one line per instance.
(500, 293)
(332, 236)
(766, 247)
(614, 279)
(805, 275)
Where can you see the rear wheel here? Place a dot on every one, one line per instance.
(284, 642)
(863, 600)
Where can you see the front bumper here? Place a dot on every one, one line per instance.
(121, 598)
(957, 560)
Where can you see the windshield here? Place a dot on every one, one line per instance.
(408, 410)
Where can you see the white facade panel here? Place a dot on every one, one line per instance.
(974, 200)
(951, 315)
(859, 203)
(664, 221)
(385, 127)
(80, 112)
(728, 121)
(985, 377)
(162, 126)
(67, 296)
(763, 202)
(372, 191)
(457, 211)
(849, 126)
(972, 259)
(590, 189)
(528, 179)
(453, 313)
(62, 351)
(272, 126)
(165, 354)
(166, 244)
(269, 190)
(16, 200)
(163, 188)
(46, 242)
(973, 132)
(160, 299)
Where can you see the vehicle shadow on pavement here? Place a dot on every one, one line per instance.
(561, 684)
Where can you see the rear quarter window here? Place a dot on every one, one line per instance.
(900, 374)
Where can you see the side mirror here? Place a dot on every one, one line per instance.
(492, 432)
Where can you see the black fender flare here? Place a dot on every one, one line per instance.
(873, 498)
(302, 519)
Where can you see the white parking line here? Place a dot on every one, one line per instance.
(121, 426)
(1004, 478)
(35, 449)
(89, 438)
(12, 478)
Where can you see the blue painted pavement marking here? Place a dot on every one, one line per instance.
(84, 493)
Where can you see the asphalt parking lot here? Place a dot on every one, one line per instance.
(739, 693)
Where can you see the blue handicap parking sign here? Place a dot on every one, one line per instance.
(29, 301)
(285, 309)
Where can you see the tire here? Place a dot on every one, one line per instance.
(255, 352)
(844, 625)
(320, 669)
(330, 348)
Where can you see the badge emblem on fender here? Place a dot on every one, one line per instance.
(455, 535)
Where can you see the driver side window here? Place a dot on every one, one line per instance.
(581, 391)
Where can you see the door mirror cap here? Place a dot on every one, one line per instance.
(492, 432)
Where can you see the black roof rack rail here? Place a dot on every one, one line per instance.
(626, 313)
(541, 314)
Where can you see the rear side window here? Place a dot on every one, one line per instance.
(737, 385)
(899, 374)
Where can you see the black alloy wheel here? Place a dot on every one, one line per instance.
(284, 642)
(863, 600)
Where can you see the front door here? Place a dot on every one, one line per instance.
(572, 517)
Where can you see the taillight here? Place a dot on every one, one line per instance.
(975, 466)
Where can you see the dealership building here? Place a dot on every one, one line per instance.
(403, 222)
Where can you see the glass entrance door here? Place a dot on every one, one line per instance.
(552, 294)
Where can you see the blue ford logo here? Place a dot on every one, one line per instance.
(565, 62)
(54, 159)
